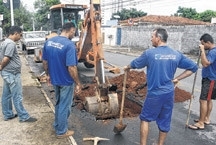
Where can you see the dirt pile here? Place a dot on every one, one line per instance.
(135, 92)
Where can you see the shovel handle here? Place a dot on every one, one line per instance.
(123, 97)
(192, 92)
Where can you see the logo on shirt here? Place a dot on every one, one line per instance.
(55, 45)
(164, 57)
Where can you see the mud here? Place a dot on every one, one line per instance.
(135, 93)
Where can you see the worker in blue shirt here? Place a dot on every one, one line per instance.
(208, 88)
(60, 64)
(161, 62)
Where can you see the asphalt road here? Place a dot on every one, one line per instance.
(85, 125)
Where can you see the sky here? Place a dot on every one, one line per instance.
(29, 4)
(156, 7)
(168, 7)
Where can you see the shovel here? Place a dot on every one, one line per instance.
(120, 126)
(192, 92)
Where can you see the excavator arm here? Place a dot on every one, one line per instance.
(90, 51)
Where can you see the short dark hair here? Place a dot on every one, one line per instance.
(207, 37)
(14, 29)
(67, 26)
(162, 33)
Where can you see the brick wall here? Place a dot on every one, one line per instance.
(182, 38)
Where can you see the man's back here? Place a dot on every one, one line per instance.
(60, 53)
(161, 63)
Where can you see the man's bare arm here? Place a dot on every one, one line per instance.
(204, 60)
(183, 75)
(4, 62)
(45, 66)
(74, 74)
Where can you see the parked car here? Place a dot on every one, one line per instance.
(34, 41)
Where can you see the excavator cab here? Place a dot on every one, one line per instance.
(63, 13)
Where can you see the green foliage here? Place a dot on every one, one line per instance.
(42, 6)
(21, 17)
(24, 18)
(207, 15)
(128, 13)
(192, 14)
(189, 13)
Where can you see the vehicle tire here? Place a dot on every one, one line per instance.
(88, 65)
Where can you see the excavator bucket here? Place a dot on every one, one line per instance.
(103, 109)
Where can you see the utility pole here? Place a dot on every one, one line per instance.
(11, 10)
(12, 13)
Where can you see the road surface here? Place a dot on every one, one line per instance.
(85, 125)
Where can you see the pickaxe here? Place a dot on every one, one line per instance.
(95, 139)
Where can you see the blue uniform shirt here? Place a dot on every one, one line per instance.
(161, 63)
(210, 71)
(60, 52)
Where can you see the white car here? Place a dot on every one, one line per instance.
(34, 41)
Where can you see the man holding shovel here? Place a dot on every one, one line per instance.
(208, 90)
(161, 63)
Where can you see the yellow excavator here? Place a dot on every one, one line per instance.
(90, 51)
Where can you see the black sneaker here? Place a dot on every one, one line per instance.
(6, 119)
(30, 119)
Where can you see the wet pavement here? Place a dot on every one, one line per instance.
(85, 125)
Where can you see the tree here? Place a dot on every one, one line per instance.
(6, 17)
(21, 17)
(128, 13)
(192, 14)
(207, 15)
(42, 7)
(189, 13)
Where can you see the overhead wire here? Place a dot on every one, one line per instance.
(155, 3)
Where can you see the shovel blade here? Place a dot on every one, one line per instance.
(118, 128)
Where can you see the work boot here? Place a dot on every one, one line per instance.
(67, 134)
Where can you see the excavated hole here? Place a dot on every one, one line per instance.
(134, 96)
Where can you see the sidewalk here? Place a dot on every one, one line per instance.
(39, 133)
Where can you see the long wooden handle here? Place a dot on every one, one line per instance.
(192, 92)
(123, 97)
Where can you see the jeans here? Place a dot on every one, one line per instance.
(12, 90)
(64, 98)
